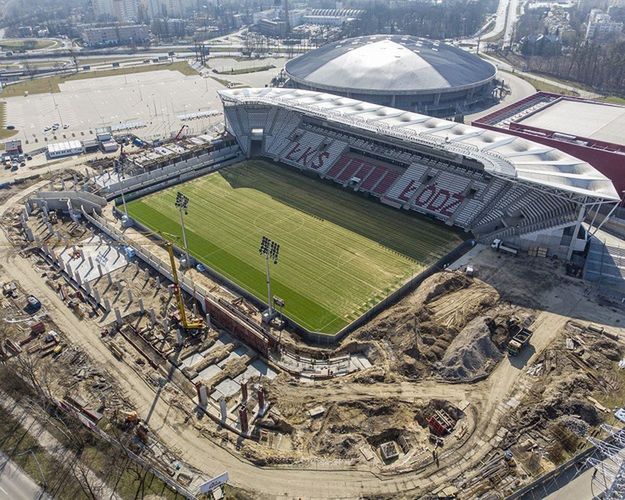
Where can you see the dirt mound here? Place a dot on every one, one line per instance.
(471, 354)
(416, 334)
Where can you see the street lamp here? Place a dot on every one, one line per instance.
(182, 204)
(271, 250)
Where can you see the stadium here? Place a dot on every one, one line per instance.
(400, 71)
(365, 199)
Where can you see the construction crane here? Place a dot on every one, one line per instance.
(187, 325)
(179, 134)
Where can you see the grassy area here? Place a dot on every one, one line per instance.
(4, 133)
(51, 84)
(340, 253)
(612, 99)
(229, 84)
(546, 87)
(24, 450)
(243, 71)
(26, 43)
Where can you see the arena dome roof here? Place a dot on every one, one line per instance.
(389, 64)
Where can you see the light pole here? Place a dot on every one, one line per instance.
(271, 251)
(182, 203)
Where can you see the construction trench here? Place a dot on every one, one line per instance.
(425, 396)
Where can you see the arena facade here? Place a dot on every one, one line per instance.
(400, 71)
(491, 184)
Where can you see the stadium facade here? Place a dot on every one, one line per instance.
(491, 184)
(590, 130)
(399, 71)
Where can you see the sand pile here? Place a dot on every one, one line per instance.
(471, 354)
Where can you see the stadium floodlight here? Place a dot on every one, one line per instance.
(271, 251)
(182, 204)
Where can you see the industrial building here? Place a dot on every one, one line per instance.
(589, 130)
(66, 148)
(403, 72)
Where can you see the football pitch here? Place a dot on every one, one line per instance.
(340, 253)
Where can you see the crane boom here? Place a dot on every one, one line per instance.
(174, 272)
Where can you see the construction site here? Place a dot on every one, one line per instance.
(488, 375)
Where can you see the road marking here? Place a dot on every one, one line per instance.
(4, 491)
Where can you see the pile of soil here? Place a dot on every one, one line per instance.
(471, 355)
(412, 337)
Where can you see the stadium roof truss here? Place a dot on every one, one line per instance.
(502, 155)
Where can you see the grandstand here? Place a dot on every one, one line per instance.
(491, 184)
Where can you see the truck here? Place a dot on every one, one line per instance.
(518, 341)
(498, 244)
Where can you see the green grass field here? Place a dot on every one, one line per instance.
(340, 253)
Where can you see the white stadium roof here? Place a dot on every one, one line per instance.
(502, 155)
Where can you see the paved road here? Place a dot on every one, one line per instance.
(15, 484)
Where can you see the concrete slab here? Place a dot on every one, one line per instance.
(226, 388)
(105, 258)
(264, 369)
(208, 373)
(192, 360)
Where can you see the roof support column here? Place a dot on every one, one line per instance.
(578, 224)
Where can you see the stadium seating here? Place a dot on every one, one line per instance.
(454, 193)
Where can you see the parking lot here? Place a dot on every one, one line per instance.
(155, 100)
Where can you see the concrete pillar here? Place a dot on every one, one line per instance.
(100, 273)
(223, 409)
(87, 288)
(261, 400)
(82, 254)
(90, 260)
(110, 280)
(158, 282)
(78, 278)
(28, 209)
(61, 264)
(29, 234)
(106, 303)
(152, 316)
(208, 320)
(194, 308)
(53, 254)
(202, 394)
(141, 308)
(179, 338)
(129, 294)
(243, 391)
(45, 249)
(118, 316)
(243, 419)
(50, 228)
(96, 295)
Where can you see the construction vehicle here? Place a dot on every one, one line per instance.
(498, 244)
(184, 322)
(180, 132)
(518, 341)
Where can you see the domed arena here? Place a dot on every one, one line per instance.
(404, 72)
